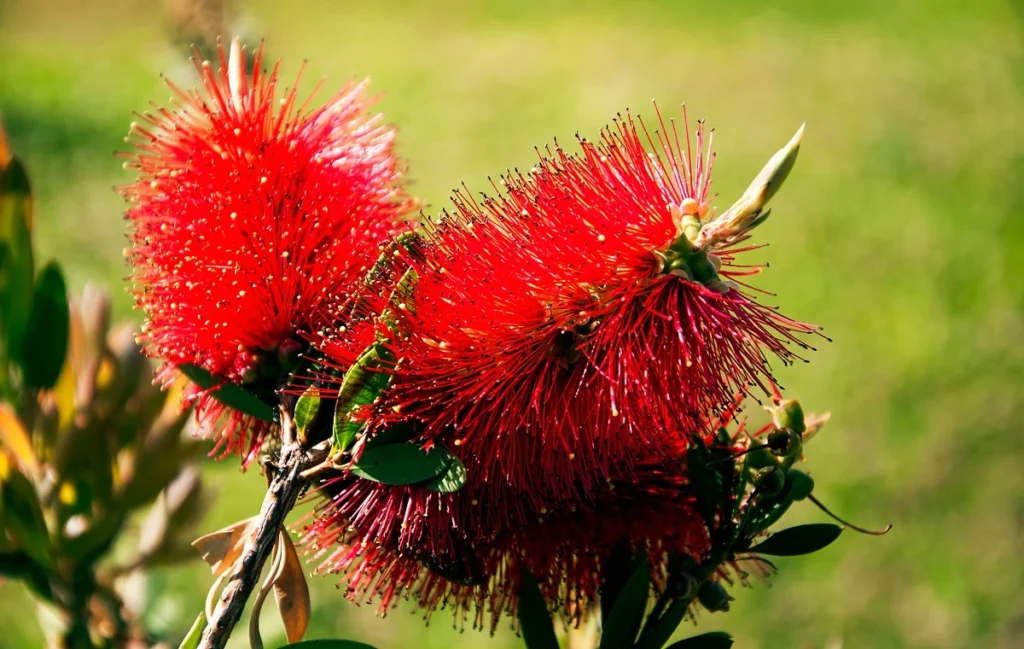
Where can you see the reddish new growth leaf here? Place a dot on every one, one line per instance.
(249, 210)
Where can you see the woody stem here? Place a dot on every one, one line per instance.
(285, 486)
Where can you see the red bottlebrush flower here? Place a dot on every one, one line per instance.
(566, 550)
(249, 210)
(572, 324)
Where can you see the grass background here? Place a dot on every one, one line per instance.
(901, 230)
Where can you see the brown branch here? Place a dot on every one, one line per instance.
(284, 489)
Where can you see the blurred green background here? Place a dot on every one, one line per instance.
(901, 231)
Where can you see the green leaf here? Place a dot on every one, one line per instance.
(802, 539)
(621, 627)
(306, 409)
(705, 482)
(621, 564)
(657, 632)
(45, 343)
(328, 644)
(453, 478)
(346, 425)
(713, 640)
(17, 269)
(408, 240)
(360, 387)
(195, 634)
(401, 464)
(534, 616)
(231, 395)
(23, 518)
(18, 565)
(400, 432)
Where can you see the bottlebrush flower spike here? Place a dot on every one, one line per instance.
(569, 324)
(356, 533)
(248, 211)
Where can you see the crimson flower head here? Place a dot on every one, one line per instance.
(589, 310)
(358, 533)
(249, 210)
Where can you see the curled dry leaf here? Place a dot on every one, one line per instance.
(291, 591)
(276, 566)
(222, 548)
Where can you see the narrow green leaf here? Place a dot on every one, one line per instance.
(195, 634)
(306, 409)
(453, 478)
(408, 240)
(621, 627)
(713, 640)
(230, 394)
(23, 515)
(802, 539)
(17, 268)
(621, 564)
(45, 343)
(704, 481)
(328, 644)
(657, 632)
(18, 565)
(534, 616)
(401, 464)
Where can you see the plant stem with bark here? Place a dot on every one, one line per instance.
(286, 483)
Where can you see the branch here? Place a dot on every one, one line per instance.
(285, 485)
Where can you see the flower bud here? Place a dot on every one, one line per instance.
(748, 212)
(714, 597)
(789, 414)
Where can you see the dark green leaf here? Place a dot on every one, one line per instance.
(23, 515)
(616, 571)
(401, 464)
(306, 409)
(534, 616)
(231, 395)
(453, 478)
(802, 539)
(328, 644)
(16, 265)
(657, 632)
(18, 565)
(45, 342)
(713, 640)
(621, 627)
(400, 432)
(195, 634)
(704, 481)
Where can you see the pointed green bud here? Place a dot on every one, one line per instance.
(748, 212)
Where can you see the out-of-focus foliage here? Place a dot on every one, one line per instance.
(90, 448)
(900, 230)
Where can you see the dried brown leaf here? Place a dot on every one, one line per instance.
(222, 548)
(292, 592)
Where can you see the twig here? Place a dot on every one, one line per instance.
(284, 489)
